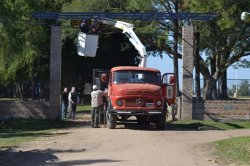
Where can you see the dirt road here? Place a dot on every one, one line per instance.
(124, 146)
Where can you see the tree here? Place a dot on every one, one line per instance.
(244, 88)
(24, 42)
(225, 41)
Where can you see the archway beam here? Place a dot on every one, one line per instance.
(129, 16)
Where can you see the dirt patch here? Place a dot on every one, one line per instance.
(126, 145)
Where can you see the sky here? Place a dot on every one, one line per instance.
(165, 65)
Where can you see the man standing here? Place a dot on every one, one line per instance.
(96, 103)
(64, 99)
(73, 98)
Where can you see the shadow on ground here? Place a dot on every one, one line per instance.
(41, 158)
(170, 126)
(190, 127)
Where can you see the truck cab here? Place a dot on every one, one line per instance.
(141, 92)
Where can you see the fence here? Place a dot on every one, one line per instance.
(26, 90)
(236, 88)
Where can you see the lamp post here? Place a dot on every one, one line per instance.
(236, 83)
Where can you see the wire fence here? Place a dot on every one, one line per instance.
(39, 90)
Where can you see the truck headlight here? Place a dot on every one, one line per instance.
(158, 103)
(119, 102)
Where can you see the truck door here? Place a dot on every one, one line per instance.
(169, 88)
(97, 78)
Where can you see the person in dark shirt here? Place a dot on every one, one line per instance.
(64, 99)
(85, 25)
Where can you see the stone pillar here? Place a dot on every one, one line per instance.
(187, 72)
(55, 72)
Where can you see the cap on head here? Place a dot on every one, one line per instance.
(94, 87)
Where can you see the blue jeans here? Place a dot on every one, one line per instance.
(64, 109)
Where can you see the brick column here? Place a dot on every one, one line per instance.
(187, 72)
(55, 72)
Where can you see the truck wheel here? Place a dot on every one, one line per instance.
(111, 121)
(161, 121)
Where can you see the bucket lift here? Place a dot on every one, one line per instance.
(88, 43)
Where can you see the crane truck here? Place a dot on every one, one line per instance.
(137, 91)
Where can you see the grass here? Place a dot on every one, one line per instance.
(234, 150)
(204, 125)
(83, 108)
(15, 132)
(8, 99)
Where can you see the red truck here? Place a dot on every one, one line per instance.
(137, 91)
(141, 92)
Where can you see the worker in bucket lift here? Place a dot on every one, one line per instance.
(85, 25)
(96, 103)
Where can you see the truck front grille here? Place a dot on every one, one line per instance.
(133, 103)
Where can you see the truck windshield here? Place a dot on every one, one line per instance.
(146, 77)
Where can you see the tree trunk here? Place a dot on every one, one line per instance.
(214, 81)
(207, 89)
(197, 63)
(33, 89)
(222, 87)
(20, 90)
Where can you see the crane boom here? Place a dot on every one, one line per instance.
(127, 29)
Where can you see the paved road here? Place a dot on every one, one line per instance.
(124, 146)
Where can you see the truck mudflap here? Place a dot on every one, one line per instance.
(135, 112)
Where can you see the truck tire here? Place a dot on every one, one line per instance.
(111, 121)
(161, 121)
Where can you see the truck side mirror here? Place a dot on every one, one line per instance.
(172, 79)
(104, 77)
(168, 79)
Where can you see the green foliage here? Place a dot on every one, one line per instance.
(243, 89)
(84, 108)
(234, 150)
(24, 43)
(226, 38)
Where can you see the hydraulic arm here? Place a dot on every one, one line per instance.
(127, 29)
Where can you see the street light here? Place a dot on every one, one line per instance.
(236, 85)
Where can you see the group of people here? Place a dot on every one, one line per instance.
(71, 99)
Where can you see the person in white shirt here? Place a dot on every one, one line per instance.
(96, 103)
(73, 100)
